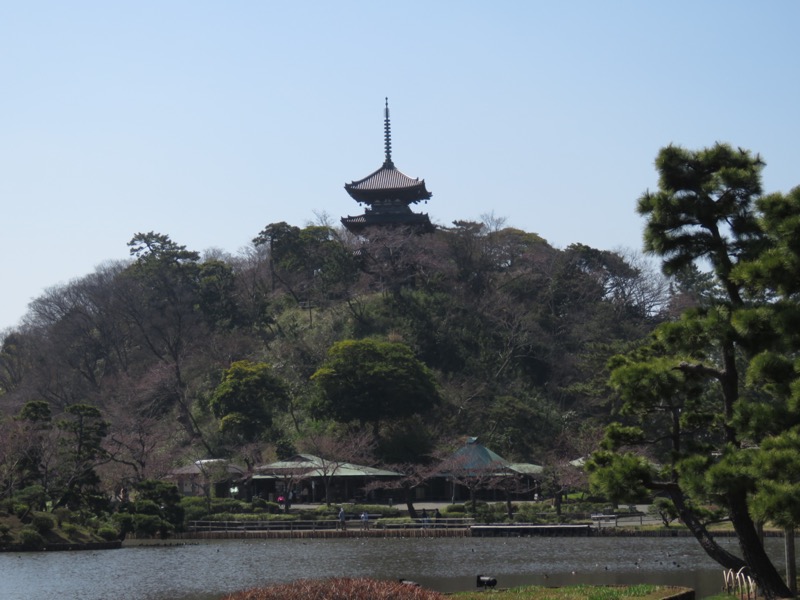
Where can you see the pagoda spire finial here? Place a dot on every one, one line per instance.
(387, 136)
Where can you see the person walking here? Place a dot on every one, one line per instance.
(342, 522)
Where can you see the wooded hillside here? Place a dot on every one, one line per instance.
(395, 346)
(478, 329)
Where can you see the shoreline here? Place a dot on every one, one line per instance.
(64, 547)
(498, 530)
(510, 530)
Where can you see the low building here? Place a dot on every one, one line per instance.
(476, 472)
(215, 477)
(305, 477)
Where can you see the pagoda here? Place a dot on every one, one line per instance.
(388, 194)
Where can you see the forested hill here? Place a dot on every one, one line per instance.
(477, 329)
(391, 350)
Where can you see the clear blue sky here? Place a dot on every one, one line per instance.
(207, 120)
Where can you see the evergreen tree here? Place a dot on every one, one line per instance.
(684, 394)
(246, 400)
(371, 381)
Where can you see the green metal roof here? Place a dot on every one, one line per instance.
(526, 468)
(309, 465)
(474, 456)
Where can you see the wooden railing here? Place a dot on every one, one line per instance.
(326, 524)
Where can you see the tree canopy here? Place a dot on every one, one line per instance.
(247, 398)
(706, 411)
(370, 381)
(475, 329)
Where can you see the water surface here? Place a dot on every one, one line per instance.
(208, 570)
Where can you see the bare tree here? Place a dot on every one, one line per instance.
(336, 450)
(13, 446)
(414, 476)
(462, 470)
(12, 361)
(138, 446)
(289, 479)
(565, 470)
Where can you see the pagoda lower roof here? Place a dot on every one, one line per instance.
(388, 182)
(372, 219)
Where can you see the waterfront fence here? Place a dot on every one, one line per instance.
(327, 524)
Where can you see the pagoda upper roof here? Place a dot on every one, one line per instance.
(388, 182)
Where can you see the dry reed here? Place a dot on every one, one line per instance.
(338, 589)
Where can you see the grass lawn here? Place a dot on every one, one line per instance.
(573, 592)
(371, 589)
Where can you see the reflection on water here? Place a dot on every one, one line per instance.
(208, 570)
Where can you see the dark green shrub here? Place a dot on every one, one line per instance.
(62, 515)
(69, 528)
(42, 523)
(395, 521)
(270, 517)
(32, 496)
(252, 517)
(194, 501)
(328, 512)
(21, 510)
(375, 509)
(30, 538)
(259, 505)
(176, 517)
(6, 507)
(194, 508)
(96, 502)
(486, 516)
(221, 517)
(166, 529)
(123, 521)
(455, 510)
(108, 533)
(195, 514)
(480, 511)
(4, 532)
(583, 507)
(160, 498)
(146, 525)
(536, 512)
(230, 505)
(147, 507)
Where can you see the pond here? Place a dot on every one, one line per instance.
(206, 571)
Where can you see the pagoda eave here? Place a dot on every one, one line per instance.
(416, 221)
(405, 195)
